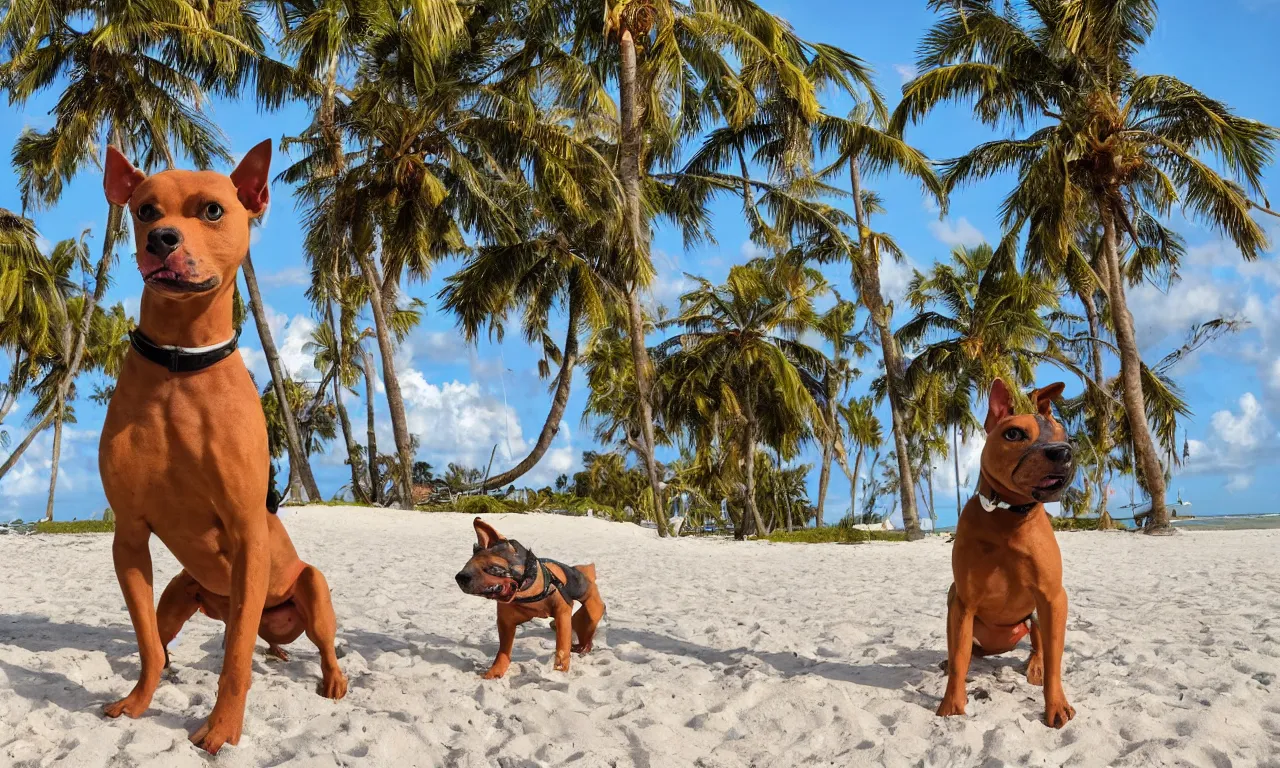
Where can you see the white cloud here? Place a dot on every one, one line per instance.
(961, 232)
(1247, 430)
(1240, 442)
(290, 335)
(667, 289)
(944, 470)
(1160, 315)
(458, 421)
(288, 277)
(750, 250)
(905, 71)
(895, 277)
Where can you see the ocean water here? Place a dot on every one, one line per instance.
(1230, 522)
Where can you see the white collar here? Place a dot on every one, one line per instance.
(197, 350)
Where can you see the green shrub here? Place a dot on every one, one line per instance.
(76, 526)
(834, 535)
(486, 505)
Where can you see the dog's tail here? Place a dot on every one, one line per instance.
(588, 570)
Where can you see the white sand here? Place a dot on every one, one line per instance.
(716, 653)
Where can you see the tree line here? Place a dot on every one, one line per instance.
(541, 143)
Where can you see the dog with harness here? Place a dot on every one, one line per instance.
(528, 587)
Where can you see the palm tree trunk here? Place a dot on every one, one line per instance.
(371, 438)
(761, 531)
(558, 404)
(1131, 375)
(630, 176)
(955, 454)
(868, 267)
(357, 487)
(853, 484)
(395, 401)
(299, 463)
(823, 480)
(1103, 397)
(53, 468)
(16, 375)
(115, 217)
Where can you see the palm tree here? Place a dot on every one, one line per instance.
(861, 145)
(738, 364)
(862, 428)
(976, 321)
(335, 354)
(1108, 145)
(300, 476)
(836, 328)
(136, 77)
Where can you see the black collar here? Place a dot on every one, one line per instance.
(180, 360)
(993, 502)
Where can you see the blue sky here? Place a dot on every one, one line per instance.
(464, 400)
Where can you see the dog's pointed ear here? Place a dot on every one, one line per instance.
(486, 536)
(252, 178)
(121, 178)
(1000, 405)
(1045, 396)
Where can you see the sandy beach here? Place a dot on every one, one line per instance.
(714, 653)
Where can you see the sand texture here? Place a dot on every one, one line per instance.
(713, 653)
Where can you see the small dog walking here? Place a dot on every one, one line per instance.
(526, 587)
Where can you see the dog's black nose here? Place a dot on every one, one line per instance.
(163, 241)
(1060, 452)
(463, 578)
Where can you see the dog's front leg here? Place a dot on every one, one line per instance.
(564, 635)
(959, 651)
(132, 557)
(1052, 610)
(506, 640)
(250, 573)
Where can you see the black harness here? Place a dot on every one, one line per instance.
(180, 360)
(569, 590)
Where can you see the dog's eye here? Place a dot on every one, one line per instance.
(494, 570)
(147, 212)
(1014, 435)
(212, 212)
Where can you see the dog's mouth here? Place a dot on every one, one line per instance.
(1049, 486)
(503, 591)
(171, 281)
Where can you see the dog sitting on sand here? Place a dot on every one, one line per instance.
(183, 452)
(1005, 560)
(525, 587)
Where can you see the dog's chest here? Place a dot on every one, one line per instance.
(190, 441)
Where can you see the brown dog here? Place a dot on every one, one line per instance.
(1005, 561)
(525, 587)
(183, 452)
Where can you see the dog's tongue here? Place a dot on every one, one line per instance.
(1049, 482)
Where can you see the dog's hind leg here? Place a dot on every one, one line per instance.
(1035, 664)
(178, 603)
(311, 596)
(587, 619)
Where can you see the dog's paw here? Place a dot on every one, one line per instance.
(133, 705)
(949, 708)
(1035, 670)
(217, 732)
(1058, 713)
(278, 653)
(495, 672)
(582, 648)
